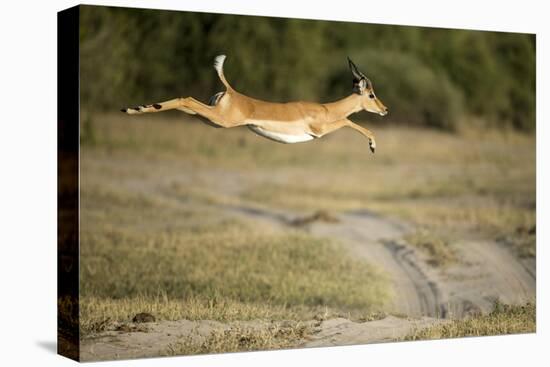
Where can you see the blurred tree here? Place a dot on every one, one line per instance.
(427, 76)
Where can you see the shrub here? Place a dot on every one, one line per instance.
(414, 93)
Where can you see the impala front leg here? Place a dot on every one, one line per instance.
(365, 132)
(321, 129)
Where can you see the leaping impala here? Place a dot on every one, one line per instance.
(290, 122)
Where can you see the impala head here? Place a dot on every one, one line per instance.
(363, 87)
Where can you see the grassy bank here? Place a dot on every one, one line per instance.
(239, 339)
(140, 254)
(504, 319)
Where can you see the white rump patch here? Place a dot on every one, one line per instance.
(280, 137)
(218, 63)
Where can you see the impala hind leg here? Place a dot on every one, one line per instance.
(188, 105)
(155, 107)
(211, 113)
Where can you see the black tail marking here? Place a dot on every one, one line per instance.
(215, 99)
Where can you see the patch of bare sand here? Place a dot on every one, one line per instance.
(486, 271)
(152, 341)
(342, 331)
(156, 339)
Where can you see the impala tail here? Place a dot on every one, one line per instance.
(218, 65)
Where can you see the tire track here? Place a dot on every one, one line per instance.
(426, 289)
(374, 239)
(378, 241)
(486, 271)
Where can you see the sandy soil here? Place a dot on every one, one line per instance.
(424, 294)
(152, 341)
(486, 272)
(156, 339)
(345, 332)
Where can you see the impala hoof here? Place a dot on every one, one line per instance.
(372, 145)
(133, 110)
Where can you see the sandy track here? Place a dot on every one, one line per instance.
(423, 293)
(345, 332)
(157, 339)
(486, 271)
(154, 341)
(374, 239)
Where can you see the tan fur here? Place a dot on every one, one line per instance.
(286, 119)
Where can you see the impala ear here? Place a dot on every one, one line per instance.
(356, 73)
(360, 81)
(359, 86)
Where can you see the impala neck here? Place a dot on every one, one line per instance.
(344, 107)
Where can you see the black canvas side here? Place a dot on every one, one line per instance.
(68, 180)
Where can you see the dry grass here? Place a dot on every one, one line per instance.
(242, 338)
(438, 249)
(504, 319)
(99, 313)
(523, 240)
(154, 239)
(142, 254)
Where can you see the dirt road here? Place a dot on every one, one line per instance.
(485, 272)
(424, 294)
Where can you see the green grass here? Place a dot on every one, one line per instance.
(231, 261)
(504, 319)
(139, 254)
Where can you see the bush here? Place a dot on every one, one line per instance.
(414, 93)
(426, 76)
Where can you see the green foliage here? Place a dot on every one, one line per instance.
(427, 76)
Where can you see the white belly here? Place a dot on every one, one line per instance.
(280, 137)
